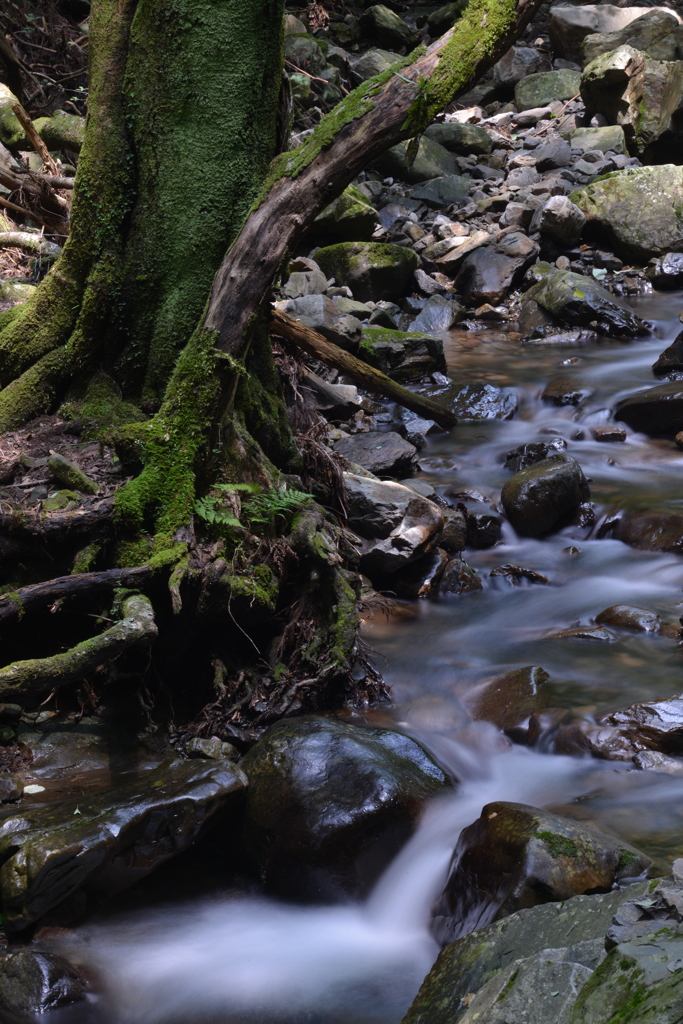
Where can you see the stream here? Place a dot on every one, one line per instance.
(231, 957)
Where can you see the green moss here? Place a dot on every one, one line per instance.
(511, 980)
(85, 559)
(558, 845)
(99, 402)
(626, 858)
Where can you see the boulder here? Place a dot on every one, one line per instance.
(657, 412)
(329, 804)
(305, 53)
(666, 272)
(483, 530)
(671, 359)
(488, 273)
(656, 725)
(372, 270)
(646, 34)
(350, 218)
(61, 131)
(552, 155)
(463, 139)
(477, 401)
(517, 63)
(464, 966)
(544, 496)
(438, 314)
(421, 578)
(636, 211)
(459, 578)
(443, 191)
(506, 701)
(305, 278)
(445, 17)
(651, 531)
(324, 316)
(560, 219)
(385, 28)
(540, 90)
(402, 355)
(579, 301)
(384, 454)
(373, 62)
(568, 26)
(535, 989)
(565, 392)
(608, 139)
(431, 161)
(397, 526)
(626, 616)
(33, 982)
(514, 857)
(453, 537)
(12, 134)
(117, 837)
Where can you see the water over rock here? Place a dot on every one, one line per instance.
(33, 982)
(477, 401)
(657, 411)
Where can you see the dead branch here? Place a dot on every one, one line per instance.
(34, 138)
(16, 604)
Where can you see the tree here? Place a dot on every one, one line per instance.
(176, 201)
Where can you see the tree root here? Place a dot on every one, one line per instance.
(29, 679)
(92, 521)
(17, 603)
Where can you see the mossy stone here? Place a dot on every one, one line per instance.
(60, 500)
(372, 270)
(62, 130)
(541, 89)
(440, 21)
(402, 355)
(350, 218)
(71, 475)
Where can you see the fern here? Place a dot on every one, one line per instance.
(259, 508)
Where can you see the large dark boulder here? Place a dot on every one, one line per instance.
(488, 273)
(651, 531)
(544, 496)
(33, 982)
(516, 856)
(671, 359)
(656, 412)
(384, 454)
(372, 270)
(578, 301)
(383, 27)
(476, 401)
(329, 804)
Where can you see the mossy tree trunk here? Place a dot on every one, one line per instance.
(175, 173)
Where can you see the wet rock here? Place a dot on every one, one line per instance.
(459, 578)
(536, 990)
(373, 62)
(518, 63)
(444, 191)
(465, 965)
(584, 633)
(516, 857)
(350, 218)
(657, 725)
(569, 26)
(634, 212)
(580, 301)
(526, 455)
(544, 496)
(551, 155)
(565, 392)
(539, 90)
(431, 161)
(453, 537)
(651, 760)
(384, 27)
(626, 616)
(330, 804)
(646, 34)
(11, 788)
(487, 274)
(118, 836)
(477, 401)
(508, 700)
(516, 574)
(372, 270)
(34, 982)
(560, 219)
(212, 749)
(445, 17)
(323, 315)
(608, 139)
(483, 530)
(402, 355)
(396, 525)
(667, 271)
(609, 433)
(657, 411)
(439, 314)
(421, 578)
(71, 475)
(671, 359)
(384, 454)
(463, 139)
(651, 531)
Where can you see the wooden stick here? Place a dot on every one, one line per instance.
(20, 209)
(16, 604)
(313, 343)
(34, 138)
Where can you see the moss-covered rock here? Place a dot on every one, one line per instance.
(71, 475)
(462, 139)
(304, 53)
(62, 130)
(12, 134)
(539, 90)
(324, 795)
(372, 270)
(577, 301)
(350, 218)
(402, 355)
(61, 500)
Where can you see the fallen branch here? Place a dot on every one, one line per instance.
(59, 525)
(316, 345)
(40, 199)
(17, 603)
(34, 138)
(29, 679)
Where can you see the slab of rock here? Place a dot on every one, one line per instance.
(634, 211)
(463, 139)
(329, 804)
(657, 412)
(373, 62)
(519, 62)
(444, 191)
(568, 26)
(667, 271)
(465, 965)
(333, 401)
(459, 578)
(438, 314)
(609, 433)
(627, 616)
(350, 218)
(579, 301)
(560, 219)
(608, 139)
(305, 53)
(507, 701)
(657, 725)
(651, 531)
(533, 990)
(431, 161)
(384, 454)
(544, 496)
(671, 359)
(646, 34)
(552, 155)
(516, 857)
(487, 274)
(33, 982)
(323, 315)
(119, 836)
(403, 355)
(477, 401)
(372, 270)
(539, 90)
(384, 27)
(453, 537)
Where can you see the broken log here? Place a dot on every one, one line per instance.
(374, 380)
(14, 605)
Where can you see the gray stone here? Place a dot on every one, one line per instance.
(350, 218)
(372, 63)
(306, 278)
(487, 274)
(608, 139)
(657, 411)
(439, 314)
(477, 401)
(534, 990)
(384, 454)
(551, 155)
(212, 749)
(324, 316)
(519, 62)
(626, 616)
(459, 578)
(463, 139)
(330, 803)
(304, 53)
(560, 219)
(403, 355)
(579, 301)
(33, 982)
(643, 34)
(385, 28)
(539, 90)
(453, 537)
(11, 788)
(440, 21)
(544, 496)
(568, 26)
(431, 161)
(444, 191)
(667, 271)
(372, 270)
(671, 359)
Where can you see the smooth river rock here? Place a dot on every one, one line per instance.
(32, 982)
(544, 496)
(657, 411)
(384, 454)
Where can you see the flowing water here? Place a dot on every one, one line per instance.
(231, 958)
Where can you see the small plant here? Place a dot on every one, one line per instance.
(263, 510)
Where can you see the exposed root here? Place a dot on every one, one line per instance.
(17, 603)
